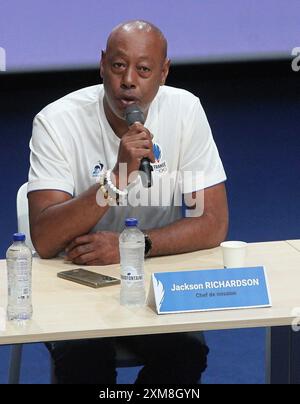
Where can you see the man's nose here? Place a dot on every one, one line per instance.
(129, 78)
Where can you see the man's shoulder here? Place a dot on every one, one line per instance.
(175, 94)
(73, 102)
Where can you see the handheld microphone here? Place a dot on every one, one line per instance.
(134, 114)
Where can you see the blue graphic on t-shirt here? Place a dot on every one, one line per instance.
(157, 152)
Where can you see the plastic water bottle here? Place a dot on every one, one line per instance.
(132, 250)
(19, 263)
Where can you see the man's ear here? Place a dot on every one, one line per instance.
(165, 71)
(102, 61)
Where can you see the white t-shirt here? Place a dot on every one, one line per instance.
(72, 142)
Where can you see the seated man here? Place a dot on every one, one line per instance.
(85, 134)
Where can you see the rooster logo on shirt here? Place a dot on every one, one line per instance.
(97, 169)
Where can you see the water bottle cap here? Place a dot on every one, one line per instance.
(19, 237)
(131, 222)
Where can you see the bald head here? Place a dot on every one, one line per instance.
(137, 27)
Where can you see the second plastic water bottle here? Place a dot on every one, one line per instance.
(132, 250)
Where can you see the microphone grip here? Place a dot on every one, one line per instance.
(146, 168)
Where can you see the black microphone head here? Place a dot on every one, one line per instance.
(133, 114)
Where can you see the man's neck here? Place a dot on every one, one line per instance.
(119, 126)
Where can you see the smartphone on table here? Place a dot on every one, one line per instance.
(88, 278)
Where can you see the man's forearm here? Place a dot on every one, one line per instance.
(59, 224)
(188, 234)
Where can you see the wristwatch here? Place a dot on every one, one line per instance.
(148, 245)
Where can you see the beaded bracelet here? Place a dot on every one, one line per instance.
(112, 186)
(104, 190)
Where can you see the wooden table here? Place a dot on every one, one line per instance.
(63, 310)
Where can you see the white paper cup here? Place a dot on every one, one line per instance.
(234, 253)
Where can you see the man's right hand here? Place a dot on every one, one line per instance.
(135, 144)
(101, 248)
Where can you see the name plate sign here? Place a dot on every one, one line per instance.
(211, 289)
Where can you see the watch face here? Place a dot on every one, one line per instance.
(148, 244)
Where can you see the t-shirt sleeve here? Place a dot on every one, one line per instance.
(49, 167)
(201, 166)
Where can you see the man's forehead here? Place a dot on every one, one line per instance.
(143, 48)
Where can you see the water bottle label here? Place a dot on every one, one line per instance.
(19, 294)
(19, 287)
(131, 277)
